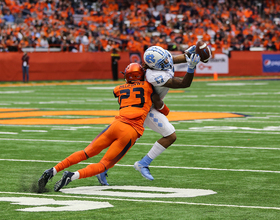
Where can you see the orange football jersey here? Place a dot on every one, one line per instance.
(135, 103)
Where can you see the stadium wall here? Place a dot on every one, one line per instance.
(78, 66)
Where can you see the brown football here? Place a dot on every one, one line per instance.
(203, 51)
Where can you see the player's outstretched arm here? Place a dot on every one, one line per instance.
(186, 81)
(183, 58)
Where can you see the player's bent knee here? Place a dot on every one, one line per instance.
(172, 138)
(107, 163)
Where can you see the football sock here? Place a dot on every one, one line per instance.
(75, 176)
(54, 171)
(156, 150)
(91, 170)
(71, 160)
(146, 160)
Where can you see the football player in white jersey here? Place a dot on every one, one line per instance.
(160, 73)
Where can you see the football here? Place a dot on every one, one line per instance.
(203, 51)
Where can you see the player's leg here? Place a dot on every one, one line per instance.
(102, 177)
(27, 74)
(23, 74)
(126, 136)
(160, 124)
(102, 141)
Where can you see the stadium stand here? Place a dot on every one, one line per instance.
(126, 25)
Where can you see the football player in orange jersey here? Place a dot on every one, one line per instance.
(135, 98)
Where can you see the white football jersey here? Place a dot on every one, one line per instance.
(155, 120)
(158, 78)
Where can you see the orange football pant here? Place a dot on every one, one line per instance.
(119, 136)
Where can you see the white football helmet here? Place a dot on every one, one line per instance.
(158, 58)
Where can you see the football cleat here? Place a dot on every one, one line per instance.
(144, 170)
(43, 180)
(64, 181)
(102, 178)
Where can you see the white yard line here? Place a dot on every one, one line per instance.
(214, 105)
(247, 121)
(8, 132)
(236, 83)
(218, 100)
(21, 103)
(163, 167)
(102, 87)
(42, 140)
(16, 92)
(238, 147)
(180, 145)
(141, 200)
(215, 131)
(243, 131)
(54, 126)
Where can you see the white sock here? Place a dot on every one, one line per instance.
(75, 176)
(54, 171)
(156, 150)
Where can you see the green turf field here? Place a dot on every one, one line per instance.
(227, 168)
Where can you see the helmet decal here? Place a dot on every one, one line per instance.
(150, 58)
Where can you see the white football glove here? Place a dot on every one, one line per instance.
(193, 61)
(190, 51)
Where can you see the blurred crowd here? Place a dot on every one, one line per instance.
(127, 25)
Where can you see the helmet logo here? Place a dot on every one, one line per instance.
(150, 58)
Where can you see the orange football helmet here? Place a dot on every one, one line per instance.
(134, 72)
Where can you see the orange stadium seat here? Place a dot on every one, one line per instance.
(120, 20)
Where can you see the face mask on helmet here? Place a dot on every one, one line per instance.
(134, 72)
(158, 58)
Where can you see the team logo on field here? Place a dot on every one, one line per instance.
(138, 191)
(41, 117)
(47, 205)
(57, 205)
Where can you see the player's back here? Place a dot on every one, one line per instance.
(135, 103)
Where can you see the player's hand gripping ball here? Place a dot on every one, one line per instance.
(203, 51)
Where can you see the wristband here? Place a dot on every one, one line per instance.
(162, 107)
(190, 70)
(164, 110)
